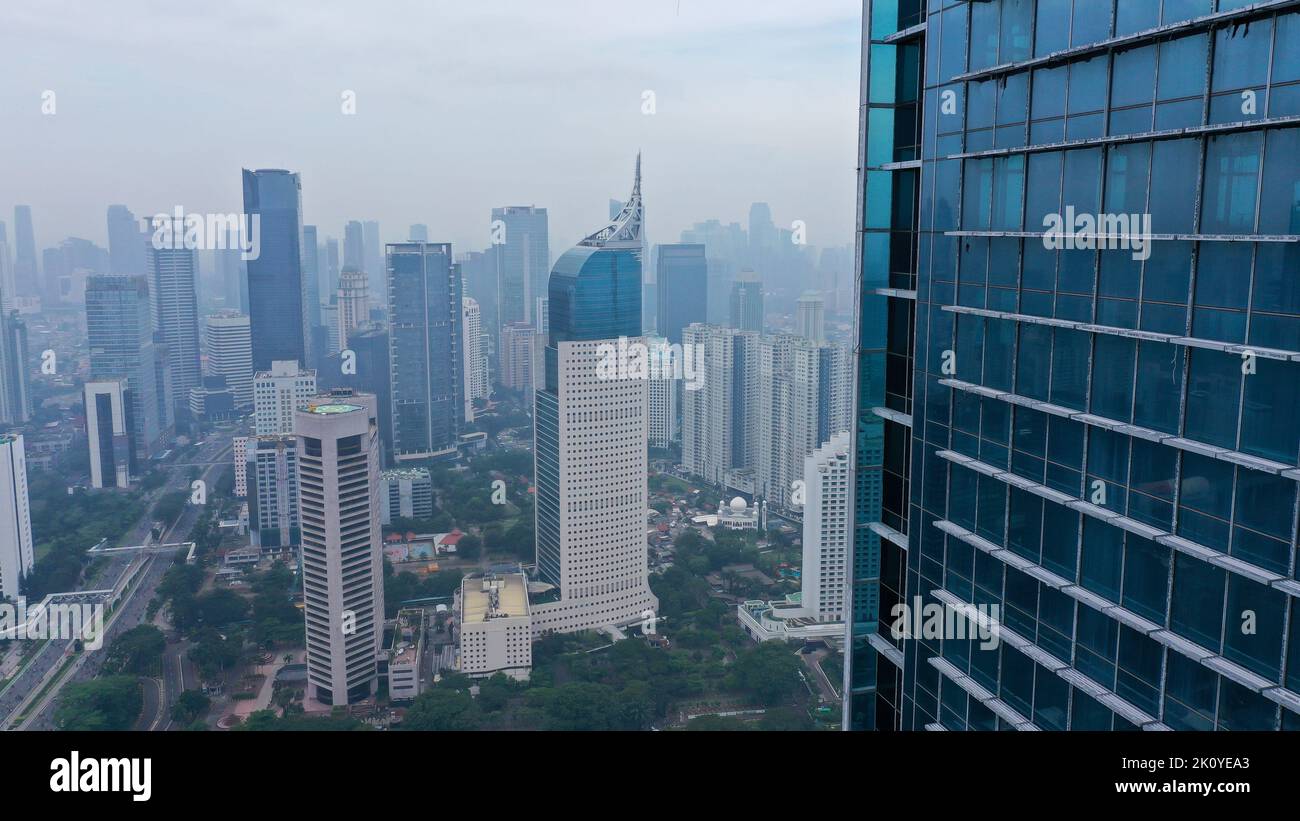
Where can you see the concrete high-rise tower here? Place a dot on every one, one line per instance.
(475, 367)
(810, 317)
(826, 531)
(109, 433)
(518, 341)
(592, 435)
(278, 393)
(230, 354)
(353, 303)
(173, 276)
(342, 557)
(16, 553)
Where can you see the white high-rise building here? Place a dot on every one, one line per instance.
(108, 433)
(405, 493)
(342, 556)
(810, 317)
(591, 438)
(764, 404)
(718, 433)
(517, 343)
(271, 470)
(475, 369)
(496, 629)
(16, 553)
(173, 284)
(663, 396)
(353, 303)
(230, 354)
(241, 459)
(828, 488)
(279, 392)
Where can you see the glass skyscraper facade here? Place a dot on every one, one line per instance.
(424, 307)
(595, 294)
(277, 303)
(521, 256)
(1086, 436)
(119, 334)
(681, 281)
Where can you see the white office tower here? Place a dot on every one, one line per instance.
(271, 470)
(173, 284)
(826, 530)
(517, 343)
(16, 554)
(230, 354)
(591, 438)
(810, 317)
(475, 369)
(353, 303)
(664, 396)
(241, 460)
(405, 493)
(342, 556)
(278, 393)
(718, 417)
(109, 433)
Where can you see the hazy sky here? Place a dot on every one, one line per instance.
(461, 105)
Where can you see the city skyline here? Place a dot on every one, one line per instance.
(781, 104)
(433, 444)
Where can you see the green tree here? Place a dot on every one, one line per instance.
(785, 719)
(768, 671)
(442, 709)
(190, 706)
(110, 703)
(138, 651)
(266, 720)
(221, 607)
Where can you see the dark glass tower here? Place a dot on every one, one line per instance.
(521, 256)
(25, 274)
(119, 333)
(681, 283)
(277, 303)
(1092, 434)
(424, 308)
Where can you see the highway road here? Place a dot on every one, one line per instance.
(130, 613)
